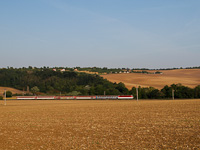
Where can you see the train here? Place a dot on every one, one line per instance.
(95, 97)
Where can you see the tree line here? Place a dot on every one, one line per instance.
(180, 92)
(48, 82)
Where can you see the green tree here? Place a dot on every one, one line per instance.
(133, 92)
(167, 91)
(182, 91)
(122, 89)
(34, 90)
(92, 91)
(8, 94)
(154, 94)
(197, 92)
(99, 90)
(142, 93)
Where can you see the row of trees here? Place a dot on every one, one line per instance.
(180, 91)
(47, 81)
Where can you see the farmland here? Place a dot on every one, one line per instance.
(187, 77)
(13, 90)
(126, 124)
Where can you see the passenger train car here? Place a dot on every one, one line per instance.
(98, 97)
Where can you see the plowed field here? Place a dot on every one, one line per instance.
(62, 125)
(187, 77)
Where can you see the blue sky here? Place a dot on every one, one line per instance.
(101, 33)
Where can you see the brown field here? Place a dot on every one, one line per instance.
(187, 77)
(62, 125)
(13, 90)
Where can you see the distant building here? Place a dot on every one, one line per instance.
(62, 70)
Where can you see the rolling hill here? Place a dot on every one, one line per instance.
(187, 77)
(13, 90)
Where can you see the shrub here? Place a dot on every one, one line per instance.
(8, 94)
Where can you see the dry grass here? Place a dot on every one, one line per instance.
(13, 90)
(96, 124)
(187, 77)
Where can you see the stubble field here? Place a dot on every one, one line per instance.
(187, 77)
(155, 124)
(13, 90)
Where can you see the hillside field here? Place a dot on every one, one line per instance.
(187, 77)
(95, 124)
(13, 90)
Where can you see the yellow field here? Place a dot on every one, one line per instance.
(95, 124)
(187, 77)
(13, 90)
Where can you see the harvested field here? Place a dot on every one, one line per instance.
(13, 90)
(95, 124)
(187, 77)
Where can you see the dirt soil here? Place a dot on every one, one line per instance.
(95, 124)
(187, 77)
